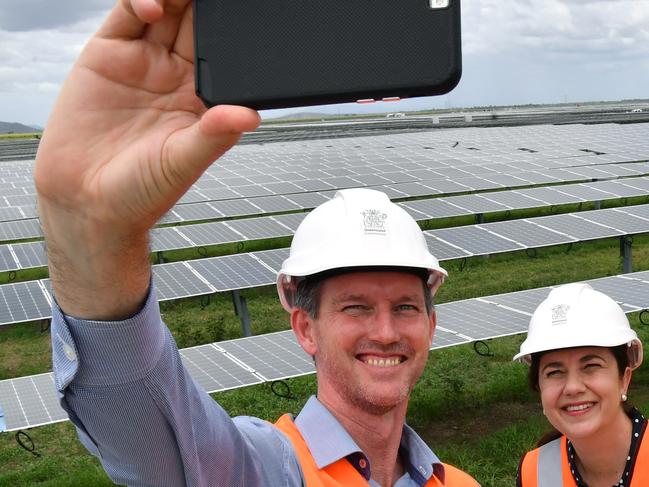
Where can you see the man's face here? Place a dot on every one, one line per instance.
(370, 339)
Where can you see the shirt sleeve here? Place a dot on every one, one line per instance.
(137, 409)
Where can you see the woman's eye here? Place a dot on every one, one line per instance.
(553, 373)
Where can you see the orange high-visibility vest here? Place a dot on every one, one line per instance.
(548, 466)
(343, 474)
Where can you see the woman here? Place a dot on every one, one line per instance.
(582, 352)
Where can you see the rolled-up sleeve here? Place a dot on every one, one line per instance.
(137, 409)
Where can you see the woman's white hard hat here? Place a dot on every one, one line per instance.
(576, 315)
(357, 228)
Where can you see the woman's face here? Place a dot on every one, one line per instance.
(581, 390)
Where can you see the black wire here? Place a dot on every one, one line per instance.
(12, 275)
(569, 248)
(22, 438)
(240, 246)
(487, 353)
(205, 301)
(463, 263)
(202, 251)
(531, 253)
(643, 313)
(286, 393)
(45, 325)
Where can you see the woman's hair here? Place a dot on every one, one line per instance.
(622, 359)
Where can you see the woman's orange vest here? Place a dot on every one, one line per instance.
(343, 474)
(535, 474)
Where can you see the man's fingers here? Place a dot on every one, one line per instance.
(129, 18)
(189, 152)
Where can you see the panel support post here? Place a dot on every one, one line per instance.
(598, 205)
(626, 243)
(479, 218)
(241, 310)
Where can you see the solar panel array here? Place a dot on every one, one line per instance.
(31, 401)
(27, 255)
(28, 301)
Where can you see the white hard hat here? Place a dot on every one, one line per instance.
(575, 315)
(357, 228)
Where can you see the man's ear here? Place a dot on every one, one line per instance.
(433, 325)
(303, 327)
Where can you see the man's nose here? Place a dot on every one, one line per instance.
(384, 328)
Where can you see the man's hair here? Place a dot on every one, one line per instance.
(308, 289)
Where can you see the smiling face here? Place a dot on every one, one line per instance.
(581, 391)
(370, 339)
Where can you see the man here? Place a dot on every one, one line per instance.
(126, 139)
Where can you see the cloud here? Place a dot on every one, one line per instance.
(33, 15)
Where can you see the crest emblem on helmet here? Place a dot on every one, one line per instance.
(374, 221)
(559, 314)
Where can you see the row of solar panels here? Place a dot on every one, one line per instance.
(284, 196)
(30, 301)
(29, 255)
(32, 401)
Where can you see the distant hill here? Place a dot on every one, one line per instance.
(16, 128)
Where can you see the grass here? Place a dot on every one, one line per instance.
(475, 411)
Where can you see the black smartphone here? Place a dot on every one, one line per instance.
(286, 53)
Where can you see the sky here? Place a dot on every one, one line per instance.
(514, 52)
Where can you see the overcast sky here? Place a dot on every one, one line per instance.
(514, 52)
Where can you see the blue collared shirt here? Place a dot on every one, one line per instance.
(137, 409)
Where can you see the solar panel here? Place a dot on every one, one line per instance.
(23, 301)
(222, 193)
(617, 189)
(527, 233)
(640, 183)
(312, 185)
(522, 301)
(236, 207)
(574, 226)
(273, 356)
(258, 228)
(512, 199)
(232, 272)
(209, 233)
(476, 183)
(275, 204)
(632, 293)
(307, 200)
(443, 250)
(586, 193)
(177, 280)
(641, 276)
(475, 240)
(413, 189)
(640, 211)
(10, 213)
(196, 212)
(284, 187)
(168, 238)
(436, 208)
(550, 196)
(272, 258)
(619, 220)
(445, 186)
(291, 221)
(477, 204)
(480, 320)
(20, 229)
(30, 401)
(7, 261)
(31, 254)
(445, 338)
(214, 371)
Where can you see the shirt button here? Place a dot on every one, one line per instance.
(69, 352)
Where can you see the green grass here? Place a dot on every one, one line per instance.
(475, 411)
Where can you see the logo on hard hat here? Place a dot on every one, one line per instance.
(374, 221)
(560, 314)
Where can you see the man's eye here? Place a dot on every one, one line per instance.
(407, 307)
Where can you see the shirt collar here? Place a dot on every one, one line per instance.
(328, 442)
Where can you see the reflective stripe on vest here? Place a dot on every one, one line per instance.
(548, 473)
(548, 466)
(343, 474)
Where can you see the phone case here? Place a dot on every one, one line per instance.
(283, 53)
